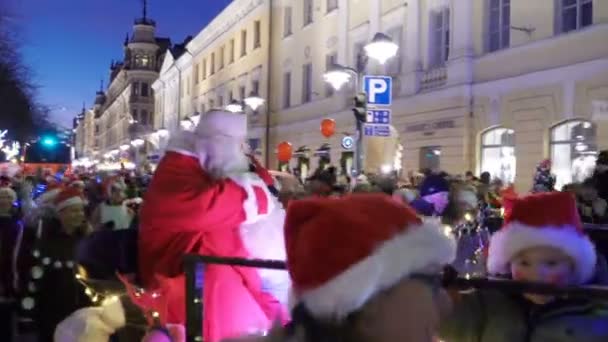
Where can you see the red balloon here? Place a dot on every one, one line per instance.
(284, 152)
(328, 127)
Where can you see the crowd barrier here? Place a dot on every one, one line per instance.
(194, 266)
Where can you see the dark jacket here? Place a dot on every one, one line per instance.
(11, 233)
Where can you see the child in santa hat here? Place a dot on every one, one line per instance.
(368, 275)
(541, 241)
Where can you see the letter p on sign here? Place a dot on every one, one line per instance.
(378, 89)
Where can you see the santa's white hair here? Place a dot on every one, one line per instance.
(221, 155)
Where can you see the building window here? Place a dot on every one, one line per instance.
(230, 96)
(440, 47)
(144, 117)
(500, 24)
(212, 71)
(231, 52)
(393, 65)
(306, 83)
(307, 11)
(257, 34)
(430, 158)
(330, 60)
(332, 5)
(196, 74)
(498, 154)
(135, 88)
(575, 14)
(255, 87)
(204, 69)
(144, 89)
(243, 43)
(242, 93)
(287, 90)
(211, 104)
(134, 116)
(287, 28)
(142, 61)
(220, 101)
(222, 50)
(573, 151)
(358, 49)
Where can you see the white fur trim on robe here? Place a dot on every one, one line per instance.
(262, 234)
(516, 237)
(420, 249)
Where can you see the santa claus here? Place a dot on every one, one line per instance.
(208, 197)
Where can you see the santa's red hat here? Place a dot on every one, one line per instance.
(219, 122)
(545, 219)
(68, 197)
(341, 252)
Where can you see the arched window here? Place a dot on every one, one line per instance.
(573, 151)
(498, 153)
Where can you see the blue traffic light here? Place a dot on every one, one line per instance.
(49, 141)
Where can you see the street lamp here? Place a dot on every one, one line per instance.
(337, 76)
(381, 48)
(254, 101)
(137, 142)
(234, 106)
(124, 147)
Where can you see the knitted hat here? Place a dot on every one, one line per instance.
(68, 197)
(341, 252)
(219, 122)
(433, 184)
(545, 219)
(7, 191)
(92, 324)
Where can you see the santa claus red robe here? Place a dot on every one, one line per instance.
(186, 211)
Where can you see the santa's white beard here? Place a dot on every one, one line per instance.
(221, 156)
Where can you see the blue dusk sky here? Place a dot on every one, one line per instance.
(69, 44)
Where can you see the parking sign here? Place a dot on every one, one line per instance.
(378, 90)
(379, 116)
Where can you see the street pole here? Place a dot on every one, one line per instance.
(359, 73)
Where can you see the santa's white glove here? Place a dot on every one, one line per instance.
(92, 324)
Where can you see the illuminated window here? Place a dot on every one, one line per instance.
(498, 154)
(142, 61)
(573, 151)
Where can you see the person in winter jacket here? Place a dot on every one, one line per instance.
(541, 241)
(544, 180)
(600, 174)
(434, 196)
(366, 276)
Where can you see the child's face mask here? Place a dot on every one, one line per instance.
(542, 265)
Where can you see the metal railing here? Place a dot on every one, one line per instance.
(194, 267)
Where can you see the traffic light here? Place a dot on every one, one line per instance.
(360, 109)
(49, 141)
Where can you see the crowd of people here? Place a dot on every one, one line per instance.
(91, 257)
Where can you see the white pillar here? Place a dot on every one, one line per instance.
(413, 58)
(374, 18)
(343, 8)
(462, 49)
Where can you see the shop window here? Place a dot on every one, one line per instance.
(429, 158)
(498, 154)
(573, 151)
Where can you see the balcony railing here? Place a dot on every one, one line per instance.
(433, 78)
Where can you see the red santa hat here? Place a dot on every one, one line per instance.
(341, 252)
(545, 219)
(219, 122)
(68, 197)
(52, 190)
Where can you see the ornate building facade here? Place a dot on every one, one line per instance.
(480, 85)
(124, 112)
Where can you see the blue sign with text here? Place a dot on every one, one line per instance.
(379, 116)
(376, 130)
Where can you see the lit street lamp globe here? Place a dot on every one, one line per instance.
(381, 48)
(337, 78)
(137, 142)
(254, 101)
(234, 107)
(124, 147)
